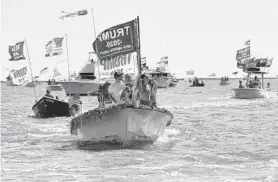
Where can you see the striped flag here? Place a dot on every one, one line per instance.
(54, 47)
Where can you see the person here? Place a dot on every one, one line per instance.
(268, 87)
(251, 84)
(153, 88)
(240, 84)
(143, 91)
(128, 80)
(103, 95)
(256, 82)
(57, 98)
(74, 104)
(115, 89)
(49, 82)
(48, 94)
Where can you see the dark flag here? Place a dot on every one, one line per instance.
(243, 53)
(16, 51)
(54, 47)
(116, 40)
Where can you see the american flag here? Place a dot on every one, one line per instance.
(247, 43)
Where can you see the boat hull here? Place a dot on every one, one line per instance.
(124, 123)
(224, 83)
(79, 87)
(10, 83)
(249, 93)
(197, 85)
(48, 107)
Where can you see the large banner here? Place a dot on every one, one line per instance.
(16, 51)
(54, 47)
(243, 53)
(21, 75)
(117, 40)
(126, 64)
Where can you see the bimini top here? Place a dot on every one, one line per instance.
(256, 70)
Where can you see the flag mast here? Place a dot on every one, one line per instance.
(95, 34)
(138, 47)
(68, 62)
(34, 88)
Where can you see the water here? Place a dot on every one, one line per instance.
(213, 137)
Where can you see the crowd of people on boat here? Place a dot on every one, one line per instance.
(196, 82)
(142, 91)
(255, 83)
(224, 78)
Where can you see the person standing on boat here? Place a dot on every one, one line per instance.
(115, 89)
(153, 88)
(143, 91)
(256, 82)
(48, 94)
(240, 84)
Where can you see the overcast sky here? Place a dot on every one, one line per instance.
(201, 35)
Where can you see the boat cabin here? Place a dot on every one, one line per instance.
(88, 71)
(255, 71)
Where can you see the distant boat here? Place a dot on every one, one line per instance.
(85, 83)
(252, 66)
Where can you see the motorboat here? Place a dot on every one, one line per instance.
(253, 89)
(57, 105)
(127, 121)
(122, 122)
(224, 82)
(86, 81)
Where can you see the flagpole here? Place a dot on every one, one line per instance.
(68, 62)
(34, 88)
(98, 60)
(139, 47)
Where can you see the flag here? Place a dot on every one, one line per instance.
(54, 47)
(16, 51)
(269, 62)
(44, 70)
(117, 40)
(234, 73)
(143, 63)
(164, 60)
(247, 43)
(73, 14)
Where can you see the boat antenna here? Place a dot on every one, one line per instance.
(66, 37)
(139, 46)
(34, 88)
(95, 34)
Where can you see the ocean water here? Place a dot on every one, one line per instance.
(213, 137)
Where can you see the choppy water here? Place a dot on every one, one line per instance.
(213, 137)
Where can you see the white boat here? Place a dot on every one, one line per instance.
(85, 83)
(258, 91)
(163, 79)
(123, 122)
(224, 82)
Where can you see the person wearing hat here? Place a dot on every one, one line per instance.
(115, 89)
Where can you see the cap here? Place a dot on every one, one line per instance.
(117, 73)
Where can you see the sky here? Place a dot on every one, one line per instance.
(200, 35)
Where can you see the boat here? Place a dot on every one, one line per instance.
(163, 79)
(196, 83)
(124, 122)
(58, 105)
(224, 82)
(252, 66)
(86, 81)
